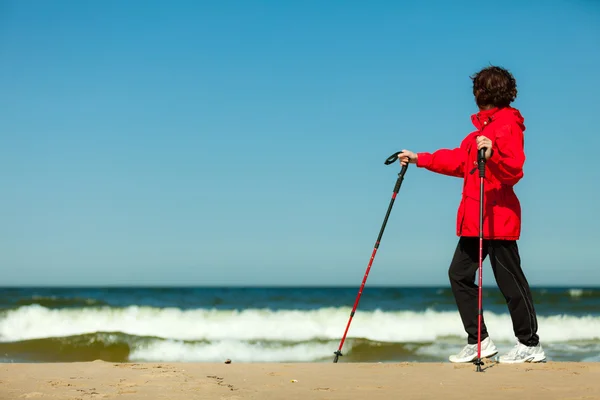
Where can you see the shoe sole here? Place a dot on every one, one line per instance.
(532, 359)
(483, 355)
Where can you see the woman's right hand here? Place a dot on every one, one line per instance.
(407, 156)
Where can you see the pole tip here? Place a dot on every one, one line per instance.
(337, 355)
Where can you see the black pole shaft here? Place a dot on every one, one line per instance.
(338, 353)
(481, 165)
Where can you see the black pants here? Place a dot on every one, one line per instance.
(506, 265)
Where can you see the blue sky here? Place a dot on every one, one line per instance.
(228, 143)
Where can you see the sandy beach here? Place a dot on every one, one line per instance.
(103, 380)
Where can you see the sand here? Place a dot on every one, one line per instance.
(103, 380)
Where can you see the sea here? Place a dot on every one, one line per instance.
(276, 324)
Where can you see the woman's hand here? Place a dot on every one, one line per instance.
(407, 156)
(482, 142)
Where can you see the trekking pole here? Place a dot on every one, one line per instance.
(391, 159)
(481, 164)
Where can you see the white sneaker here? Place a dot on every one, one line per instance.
(469, 352)
(521, 353)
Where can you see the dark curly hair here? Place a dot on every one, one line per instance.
(494, 87)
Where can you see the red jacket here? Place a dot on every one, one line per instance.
(502, 210)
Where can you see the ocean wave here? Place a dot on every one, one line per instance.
(113, 347)
(241, 351)
(60, 302)
(577, 293)
(119, 347)
(36, 322)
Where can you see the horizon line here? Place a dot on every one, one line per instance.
(271, 286)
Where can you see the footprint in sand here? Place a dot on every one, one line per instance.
(91, 392)
(130, 365)
(31, 395)
(165, 371)
(121, 391)
(124, 387)
(127, 385)
(59, 384)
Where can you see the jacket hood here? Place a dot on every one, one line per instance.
(505, 114)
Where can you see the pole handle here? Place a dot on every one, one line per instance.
(392, 159)
(481, 162)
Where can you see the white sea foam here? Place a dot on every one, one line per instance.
(177, 351)
(575, 292)
(33, 321)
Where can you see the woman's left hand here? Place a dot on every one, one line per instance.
(483, 141)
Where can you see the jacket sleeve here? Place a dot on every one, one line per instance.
(444, 161)
(508, 155)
